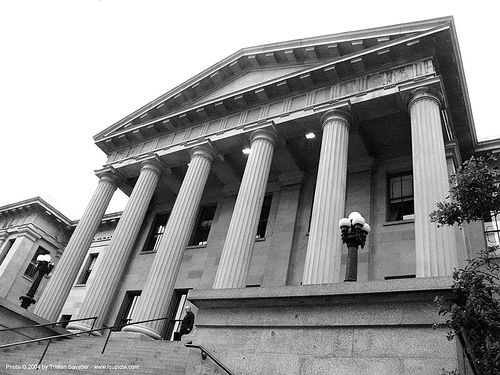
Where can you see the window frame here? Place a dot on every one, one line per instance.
(33, 263)
(199, 226)
(401, 200)
(264, 218)
(83, 278)
(156, 232)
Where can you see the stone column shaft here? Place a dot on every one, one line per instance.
(154, 300)
(435, 247)
(324, 247)
(238, 247)
(66, 271)
(115, 257)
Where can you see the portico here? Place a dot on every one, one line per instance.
(381, 108)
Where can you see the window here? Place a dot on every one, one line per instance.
(400, 197)
(264, 216)
(31, 270)
(89, 266)
(202, 229)
(492, 229)
(156, 232)
(6, 249)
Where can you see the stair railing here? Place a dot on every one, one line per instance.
(205, 353)
(126, 324)
(56, 337)
(93, 318)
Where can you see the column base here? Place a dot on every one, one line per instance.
(79, 327)
(142, 329)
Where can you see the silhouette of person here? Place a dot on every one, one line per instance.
(186, 325)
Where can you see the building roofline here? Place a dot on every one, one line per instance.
(37, 201)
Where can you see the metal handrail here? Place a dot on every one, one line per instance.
(49, 338)
(205, 353)
(123, 325)
(94, 318)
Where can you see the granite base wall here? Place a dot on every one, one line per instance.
(356, 328)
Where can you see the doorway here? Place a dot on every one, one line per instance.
(176, 311)
(127, 308)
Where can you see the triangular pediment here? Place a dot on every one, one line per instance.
(250, 69)
(248, 80)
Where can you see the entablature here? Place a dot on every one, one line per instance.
(359, 58)
(356, 91)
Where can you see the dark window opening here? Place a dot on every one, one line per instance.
(156, 232)
(400, 205)
(89, 266)
(31, 270)
(203, 225)
(264, 216)
(399, 277)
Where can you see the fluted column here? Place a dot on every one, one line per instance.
(66, 271)
(238, 247)
(324, 246)
(435, 247)
(157, 293)
(116, 256)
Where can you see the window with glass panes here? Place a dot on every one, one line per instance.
(400, 205)
(203, 225)
(264, 216)
(31, 270)
(156, 232)
(87, 270)
(492, 228)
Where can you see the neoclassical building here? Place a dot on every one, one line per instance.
(238, 177)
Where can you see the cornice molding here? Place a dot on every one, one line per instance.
(440, 25)
(316, 102)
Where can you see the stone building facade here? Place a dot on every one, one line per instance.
(238, 177)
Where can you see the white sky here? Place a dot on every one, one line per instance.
(69, 69)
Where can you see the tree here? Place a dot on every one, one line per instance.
(474, 311)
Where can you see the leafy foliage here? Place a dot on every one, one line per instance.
(474, 310)
(475, 191)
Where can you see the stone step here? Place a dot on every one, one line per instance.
(152, 357)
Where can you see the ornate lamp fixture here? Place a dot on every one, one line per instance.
(354, 231)
(43, 267)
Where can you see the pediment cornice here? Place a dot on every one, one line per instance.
(314, 54)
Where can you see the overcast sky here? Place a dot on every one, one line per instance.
(69, 69)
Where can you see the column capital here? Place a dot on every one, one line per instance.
(342, 115)
(422, 93)
(108, 176)
(204, 151)
(268, 134)
(151, 164)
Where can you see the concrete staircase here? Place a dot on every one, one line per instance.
(125, 354)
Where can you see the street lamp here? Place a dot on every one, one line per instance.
(354, 231)
(43, 267)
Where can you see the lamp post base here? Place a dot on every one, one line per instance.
(27, 301)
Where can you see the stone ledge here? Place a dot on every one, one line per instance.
(324, 294)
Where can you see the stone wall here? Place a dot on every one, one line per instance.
(381, 327)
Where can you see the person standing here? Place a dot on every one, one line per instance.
(186, 325)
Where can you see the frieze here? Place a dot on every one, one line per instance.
(343, 90)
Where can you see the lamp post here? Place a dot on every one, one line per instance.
(354, 231)
(43, 267)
